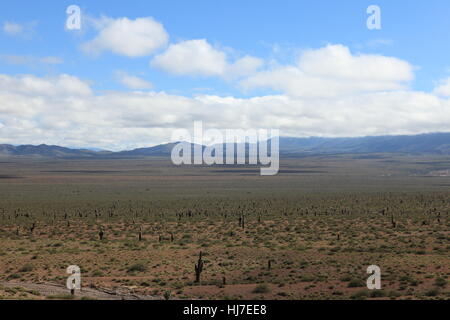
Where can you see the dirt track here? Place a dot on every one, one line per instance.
(55, 290)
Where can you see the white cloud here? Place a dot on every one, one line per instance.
(30, 60)
(334, 71)
(133, 82)
(25, 30)
(131, 38)
(198, 57)
(32, 86)
(51, 60)
(243, 67)
(12, 28)
(16, 59)
(443, 89)
(63, 110)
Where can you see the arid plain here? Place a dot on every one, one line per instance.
(136, 228)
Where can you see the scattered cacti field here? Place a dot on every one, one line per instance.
(308, 233)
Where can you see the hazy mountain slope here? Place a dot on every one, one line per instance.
(435, 143)
(46, 151)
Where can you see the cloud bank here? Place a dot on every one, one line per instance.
(199, 58)
(64, 110)
(328, 92)
(334, 71)
(130, 38)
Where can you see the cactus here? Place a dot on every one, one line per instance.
(394, 224)
(198, 268)
(242, 220)
(167, 295)
(33, 226)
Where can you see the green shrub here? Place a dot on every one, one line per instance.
(432, 292)
(440, 282)
(377, 294)
(138, 267)
(261, 288)
(356, 283)
(26, 268)
(360, 295)
(97, 273)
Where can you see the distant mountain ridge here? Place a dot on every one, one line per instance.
(433, 143)
(44, 150)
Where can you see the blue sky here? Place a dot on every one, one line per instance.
(414, 31)
(273, 34)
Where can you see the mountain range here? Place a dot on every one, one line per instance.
(433, 143)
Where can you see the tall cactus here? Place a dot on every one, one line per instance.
(198, 268)
(33, 226)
